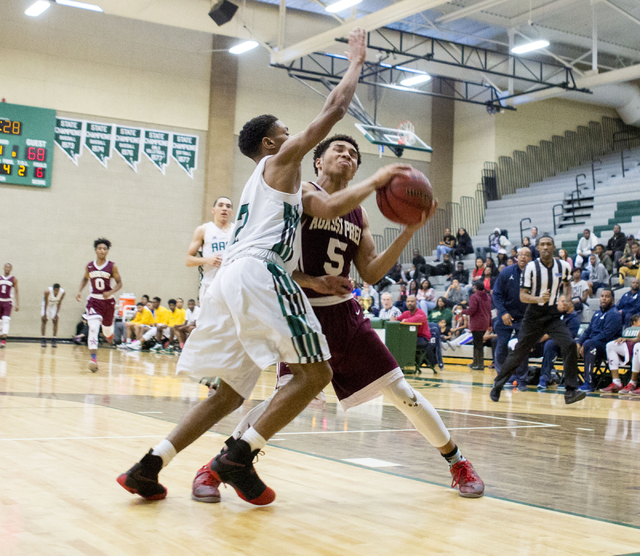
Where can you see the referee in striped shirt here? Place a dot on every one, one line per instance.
(542, 282)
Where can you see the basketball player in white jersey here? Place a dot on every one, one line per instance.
(51, 303)
(9, 300)
(209, 242)
(253, 313)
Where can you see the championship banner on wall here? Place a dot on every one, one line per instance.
(184, 150)
(68, 136)
(127, 144)
(98, 138)
(156, 147)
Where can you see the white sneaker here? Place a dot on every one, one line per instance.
(136, 346)
(318, 402)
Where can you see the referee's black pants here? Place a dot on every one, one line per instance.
(537, 322)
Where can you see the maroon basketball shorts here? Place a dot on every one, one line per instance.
(100, 308)
(5, 308)
(362, 365)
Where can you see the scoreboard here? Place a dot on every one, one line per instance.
(26, 145)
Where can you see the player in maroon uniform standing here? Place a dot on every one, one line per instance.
(363, 368)
(100, 302)
(9, 299)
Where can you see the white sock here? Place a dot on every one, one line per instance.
(94, 331)
(253, 438)
(166, 451)
(5, 325)
(419, 411)
(617, 382)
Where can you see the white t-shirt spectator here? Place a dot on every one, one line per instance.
(192, 316)
(386, 314)
(578, 289)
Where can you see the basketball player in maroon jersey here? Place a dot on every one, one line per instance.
(100, 302)
(363, 368)
(9, 299)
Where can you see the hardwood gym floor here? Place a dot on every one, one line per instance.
(559, 480)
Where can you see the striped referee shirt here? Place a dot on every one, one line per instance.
(537, 278)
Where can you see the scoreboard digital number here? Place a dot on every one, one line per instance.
(26, 145)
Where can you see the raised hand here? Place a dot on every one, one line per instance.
(357, 46)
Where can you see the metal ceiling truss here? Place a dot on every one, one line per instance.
(328, 68)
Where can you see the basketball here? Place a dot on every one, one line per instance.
(405, 198)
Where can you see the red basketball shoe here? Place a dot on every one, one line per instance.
(613, 388)
(469, 484)
(205, 486)
(628, 388)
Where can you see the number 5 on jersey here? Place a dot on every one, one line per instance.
(335, 252)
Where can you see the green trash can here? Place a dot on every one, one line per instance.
(401, 340)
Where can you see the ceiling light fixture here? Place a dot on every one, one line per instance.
(529, 47)
(243, 47)
(81, 5)
(416, 80)
(36, 9)
(341, 5)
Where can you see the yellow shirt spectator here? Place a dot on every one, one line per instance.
(177, 317)
(162, 315)
(144, 317)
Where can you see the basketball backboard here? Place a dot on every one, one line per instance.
(396, 139)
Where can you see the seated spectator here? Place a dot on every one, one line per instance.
(445, 330)
(394, 276)
(160, 316)
(563, 255)
(445, 268)
(631, 264)
(550, 349)
(586, 246)
(490, 340)
(605, 326)
(499, 241)
(415, 315)
(413, 287)
(618, 353)
(460, 274)
(514, 253)
(501, 268)
(626, 254)
(368, 291)
(191, 318)
(165, 330)
(464, 246)
(355, 290)
(510, 261)
(140, 323)
(533, 240)
(441, 311)
(446, 245)
(604, 258)
(526, 242)
(426, 296)
(417, 269)
(455, 294)
(598, 275)
(388, 309)
(479, 312)
(580, 289)
(615, 245)
(502, 257)
(629, 303)
(488, 280)
(401, 302)
(489, 263)
(478, 271)
(82, 329)
(459, 323)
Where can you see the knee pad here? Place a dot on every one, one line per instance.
(107, 331)
(401, 392)
(5, 325)
(94, 331)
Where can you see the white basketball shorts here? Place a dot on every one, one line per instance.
(253, 315)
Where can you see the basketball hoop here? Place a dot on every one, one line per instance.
(406, 133)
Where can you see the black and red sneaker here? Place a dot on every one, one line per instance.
(469, 484)
(234, 467)
(142, 478)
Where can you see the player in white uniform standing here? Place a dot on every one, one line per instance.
(51, 303)
(209, 242)
(253, 314)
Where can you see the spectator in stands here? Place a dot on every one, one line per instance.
(459, 323)
(160, 316)
(395, 274)
(626, 254)
(440, 311)
(464, 246)
(413, 287)
(415, 315)
(401, 303)
(191, 318)
(490, 340)
(514, 253)
(165, 331)
(460, 274)
(510, 311)
(629, 303)
(550, 351)
(488, 279)
(140, 323)
(356, 292)
(417, 269)
(426, 296)
(502, 257)
(605, 326)
(618, 353)
(455, 294)
(580, 289)
(526, 242)
(598, 275)
(489, 263)
(563, 255)
(604, 258)
(388, 309)
(445, 268)
(145, 299)
(446, 245)
(498, 240)
(533, 240)
(586, 246)
(369, 291)
(615, 245)
(630, 264)
(510, 261)
(478, 271)
(479, 312)
(445, 331)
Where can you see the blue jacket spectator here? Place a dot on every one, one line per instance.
(605, 326)
(629, 303)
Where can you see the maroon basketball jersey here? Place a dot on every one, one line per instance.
(100, 277)
(6, 287)
(329, 246)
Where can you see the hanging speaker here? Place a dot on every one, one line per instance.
(222, 12)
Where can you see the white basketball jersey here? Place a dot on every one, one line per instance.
(55, 299)
(215, 242)
(267, 223)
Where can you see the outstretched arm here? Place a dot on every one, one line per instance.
(282, 169)
(373, 266)
(319, 203)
